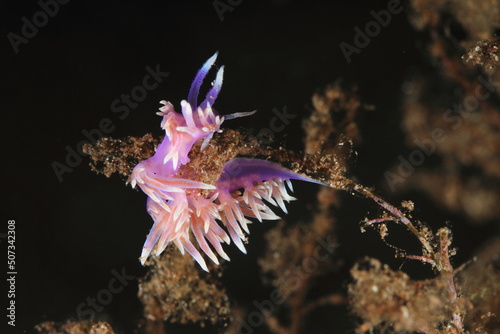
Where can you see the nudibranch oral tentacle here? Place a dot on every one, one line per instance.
(183, 209)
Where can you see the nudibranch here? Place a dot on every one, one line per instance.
(242, 191)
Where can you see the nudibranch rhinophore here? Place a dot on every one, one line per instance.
(243, 190)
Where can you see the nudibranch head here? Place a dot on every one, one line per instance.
(182, 208)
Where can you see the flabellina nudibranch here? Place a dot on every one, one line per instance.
(179, 205)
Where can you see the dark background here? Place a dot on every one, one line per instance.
(72, 234)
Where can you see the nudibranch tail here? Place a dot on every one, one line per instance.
(238, 169)
(182, 208)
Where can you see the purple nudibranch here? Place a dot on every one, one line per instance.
(243, 190)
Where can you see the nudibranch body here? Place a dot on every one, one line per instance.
(176, 203)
